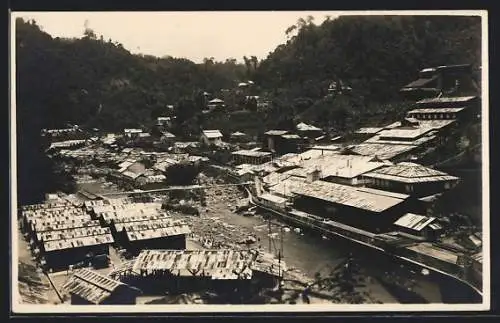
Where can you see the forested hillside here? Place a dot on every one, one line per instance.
(98, 83)
(375, 55)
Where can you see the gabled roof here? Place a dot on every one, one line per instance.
(306, 127)
(94, 287)
(212, 133)
(216, 100)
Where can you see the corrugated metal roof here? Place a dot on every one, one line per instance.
(125, 207)
(78, 242)
(72, 233)
(94, 287)
(414, 221)
(347, 195)
(146, 224)
(158, 232)
(65, 225)
(216, 264)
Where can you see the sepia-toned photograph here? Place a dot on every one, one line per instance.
(266, 160)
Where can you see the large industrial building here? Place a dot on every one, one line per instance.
(365, 208)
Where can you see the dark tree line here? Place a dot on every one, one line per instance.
(95, 82)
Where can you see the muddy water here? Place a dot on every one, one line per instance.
(304, 251)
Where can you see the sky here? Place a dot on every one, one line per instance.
(192, 35)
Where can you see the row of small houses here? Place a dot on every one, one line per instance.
(63, 235)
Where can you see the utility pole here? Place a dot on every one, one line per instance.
(269, 233)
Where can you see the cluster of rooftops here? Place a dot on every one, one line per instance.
(62, 226)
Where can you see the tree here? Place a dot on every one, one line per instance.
(344, 281)
(88, 32)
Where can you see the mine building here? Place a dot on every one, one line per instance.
(88, 287)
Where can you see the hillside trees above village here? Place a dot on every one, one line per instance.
(375, 55)
(98, 83)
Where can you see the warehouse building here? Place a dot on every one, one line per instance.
(368, 209)
(88, 287)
